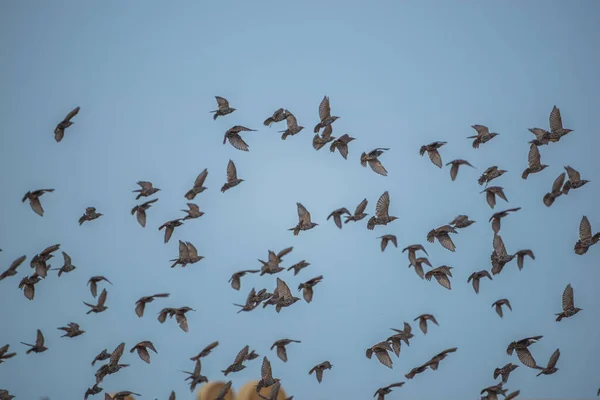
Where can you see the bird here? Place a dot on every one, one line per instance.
(38, 347)
(205, 351)
(381, 352)
(307, 287)
(586, 239)
(198, 186)
(299, 266)
(382, 216)
(233, 135)
(412, 251)
(491, 193)
(72, 330)
(28, 285)
(232, 178)
(292, 126)
(556, 191)
(281, 349)
(383, 391)
(4, 354)
(12, 269)
(140, 304)
(497, 217)
(67, 266)
(455, 166)
(483, 135)
(278, 116)
(543, 137)
(442, 234)
(521, 257)
(237, 364)
(103, 355)
(341, 144)
(178, 313)
(266, 374)
(140, 211)
(5, 395)
(568, 304)
(122, 395)
(499, 303)
(93, 282)
(476, 277)
(521, 347)
(461, 222)
(326, 119)
(319, 368)
(505, 371)
(432, 152)
(99, 307)
(385, 239)
(415, 371)
(147, 189)
(89, 215)
(59, 131)
(170, 226)
(359, 212)
(192, 212)
(372, 158)
(441, 275)
(274, 392)
(574, 182)
(282, 296)
(500, 256)
(304, 221)
(321, 140)
(223, 392)
(418, 265)
(423, 318)
(38, 262)
(551, 367)
(142, 350)
(34, 200)
(271, 267)
(223, 108)
(94, 390)
(337, 216)
(404, 334)
(187, 255)
(490, 174)
(235, 278)
(435, 360)
(534, 161)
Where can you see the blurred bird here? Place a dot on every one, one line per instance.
(319, 368)
(555, 192)
(28, 285)
(461, 222)
(441, 275)
(235, 278)
(423, 318)
(298, 267)
(586, 240)
(574, 182)
(435, 360)
(418, 265)
(123, 395)
(34, 200)
(292, 126)
(192, 212)
(534, 161)
(89, 215)
(491, 193)
(140, 211)
(266, 374)
(142, 350)
(490, 174)
(12, 270)
(232, 178)
(543, 137)
(271, 267)
(412, 250)
(505, 371)
(238, 362)
(551, 367)
(140, 305)
(383, 391)
(72, 330)
(170, 226)
(146, 189)
(433, 153)
(521, 257)
(178, 313)
(93, 282)
(280, 347)
(198, 185)
(372, 158)
(38, 347)
(223, 108)
(94, 390)
(382, 216)
(359, 212)
(59, 131)
(405, 334)
(320, 141)
(483, 135)
(385, 239)
(476, 277)
(499, 303)
(304, 221)
(278, 116)
(337, 216)
(4, 354)
(568, 304)
(415, 371)
(381, 352)
(341, 144)
(442, 234)
(205, 351)
(324, 115)
(223, 392)
(282, 296)
(496, 217)
(233, 135)
(307, 287)
(521, 347)
(67, 266)
(99, 307)
(187, 255)
(103, 355)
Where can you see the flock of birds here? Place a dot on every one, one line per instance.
(282, 297)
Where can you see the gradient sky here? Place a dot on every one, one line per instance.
(400, 75)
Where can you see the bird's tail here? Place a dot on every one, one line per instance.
(525, 174)
(481, 181)
(225, 372)
(559, 317)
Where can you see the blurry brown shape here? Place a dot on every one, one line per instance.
(248, 392)
(210, 391)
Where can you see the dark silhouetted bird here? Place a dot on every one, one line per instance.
(187, 255)
(321, 140)
(99, 306)
(192, 212)
(556, 191)
(146, 189)
(442, 234)
(72, 330)
(441, 275)
(476, 277)
(455, 165)
(178, 313)
(12, 270)
(500, 256)
(496, 217)
(142, 350)
(93, 282)
(140, 211)
(337, 216)
(418, 265)
(551, 367)
(383, 391)
(521, 347)
(307, 287)
(205, 351)
(38, 347)
(299, 266)
(170, 226)
(381, 352)
(280, 347)
(4, 354)
(499, 303)
(505, 371)
(94, 390)
(140, 305)
(34, 200)
(359, 212)
(89, 215)
(385, 239)
(278, 116)
(461, 222)
(319, 368)
(483, 135)
(574, 182)
(198, 185)
(586, 239)
(491, 193)
(521, 257)
(412, 251)
(235, 278)
(292, 126)
(490, 174)
(423, 318)
(237, 364)
(59, 131)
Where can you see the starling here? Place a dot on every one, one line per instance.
(72, 330)
(490, 174)
(146, 189)
(574, 181)
(324, 115)
(491, 193)
(233, 135)
(266, 373)
(412, 250)
(521, 347)
(34, 200)
(372, 158)
(461, 222)
(198, 185)
(505, 371)
(435, 360)
(113, 365)
(416, 371)
(5, 395)
(423, 318)
(500, 256)
(483, 135)
(192, 212)
(543, 137)
(4, 354)
(170, 226)
(418, 265)
(521, 257)
(94, 390)
(568, 304)
(104, 355)
(123, 395)
(38, 262)
(556, 191)
(499, 303)
(442, 234)
(178, 313)
(281, 350)
(99, 307)
(299, 266)
(278, 116)
(28, 285)
(274, 392)
(38, 347)
(432, 152)
(512, 395)
(320, 141)
(476, 276)
(404, 334)
(495, 219)
(140, 305)
(235, 278)
(341, 144)
(292, 126)
(12, 270)
(534, 161)
(59, 131)
(271, 267)
(493, 392)
(223, 109)
(140, 211)
(383, 391)
(89, 215)
(205, 351)
(381, 351)
(284, 252)
(551, 367)
(238, 362)
(223, 392)
(187, 255)
(382, 216)
(142, 350)
(307, 287)
(441, 275)
(282, 296)
(359, 212)
(586, 240)
(304, 221)
(319, 368)
(337, 216)
(93, 282)
(385, 239)
(67, 266)
(232, 179)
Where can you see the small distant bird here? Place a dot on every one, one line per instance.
(534, 161)
(198, 186)
(543, 137)
(93, 282)
(586, 240)
(490, 174)
(381, 352)
(341, 144)
(500, 256)
(178, 313)
(491, 193)
(505, 371)
(278, 116)
(89, 215)
(223, 392)
(496, 217)
(412, 251)
(385, 239)
(142, 350)
(423, 318)
(556, 191)
(382, 216)
(280, 347)
(455, 165)
(146, 189)
(187, 255)
(307, 287)
(324, 115)
(319, 368)
(292, 126)
(433, 153)
(140, 211)
(72, 330)
(568, 304)
(28, 285)
(574, 182)
(34, 200)
(359, 212)
(326, 137)
(233, 135)
(232, 178)
(94, 390)
(235, 278)
(372, 158)
(123, 395)
(435, 360)
(38, 347)
(383, 391)
(405, 334)
(192, 212)
(461, 222)
(59, 131)
(12, 270)
(483, 135)
(521, 347)
(521, 257)
(418, 265)
(140, 305)
(223, 108)
(104, 355)
(442, 234)
(205, 351)
(499, 303)
(170, 226)
(237, 364)
(99, 307)
(476, 277)
(441, 275)
(4, 354)
(67, 266)
(551, 367)
(299, 266)
(304, 221)
(415, 371)
(337, 216)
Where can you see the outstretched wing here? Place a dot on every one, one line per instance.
(324, 109)
(568, 300)
(231, 172)
(383, 205)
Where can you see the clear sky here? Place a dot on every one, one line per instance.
(400, 75)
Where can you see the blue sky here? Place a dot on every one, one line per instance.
(400, 75)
